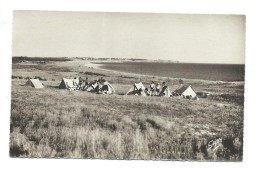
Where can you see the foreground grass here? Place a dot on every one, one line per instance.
(58, 123)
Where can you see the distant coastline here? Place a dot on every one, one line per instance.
(212, 72)
(163, 68)
(113, 59)
(26, 58)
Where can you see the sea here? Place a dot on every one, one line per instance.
(214, 72)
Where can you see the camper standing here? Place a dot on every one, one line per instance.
(158, 87)
(86, 83)
(152, 89)
(75, 83)
(80, 83)
(100, 82)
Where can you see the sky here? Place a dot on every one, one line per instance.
(193, 38)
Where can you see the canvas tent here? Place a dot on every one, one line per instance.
(136, 88)
(185, 91)
(34, 83)
(104, 88)
(165, 92)
(69, 83)
(92, 86)
(107, 88)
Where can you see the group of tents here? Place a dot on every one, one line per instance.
(184, 90)
(99, 86)
(105, 87)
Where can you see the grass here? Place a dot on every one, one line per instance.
(73, 124)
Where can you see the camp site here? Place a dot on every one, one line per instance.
(127, 86)
(120, 118)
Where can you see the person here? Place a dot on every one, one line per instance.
(180, 81)
(163, 84)
(101, 80)
(98, 86)
(152, 89)
(80, 83)
(158, 87)
(164, 87)
(75, 83)
(86, 83)
(147, 91)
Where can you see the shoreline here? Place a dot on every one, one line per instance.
(96, 66)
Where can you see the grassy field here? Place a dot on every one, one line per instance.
(51, 122)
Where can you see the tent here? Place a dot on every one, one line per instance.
(69, 83)
(165, 92)
(185, 91)
(104, 88)
(136, 88)
(92, 86)
(34, 83)
(107, 88)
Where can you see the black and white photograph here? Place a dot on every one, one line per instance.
(127, 86)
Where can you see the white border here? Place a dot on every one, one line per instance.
(249, 8)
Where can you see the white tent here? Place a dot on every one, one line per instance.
(34, 83)
(107, 88)
(185, 91)
(104, 88)
(136, 88)
(69, 83)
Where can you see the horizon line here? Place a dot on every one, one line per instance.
(165, 60)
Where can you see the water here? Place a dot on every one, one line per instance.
(216, 72)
